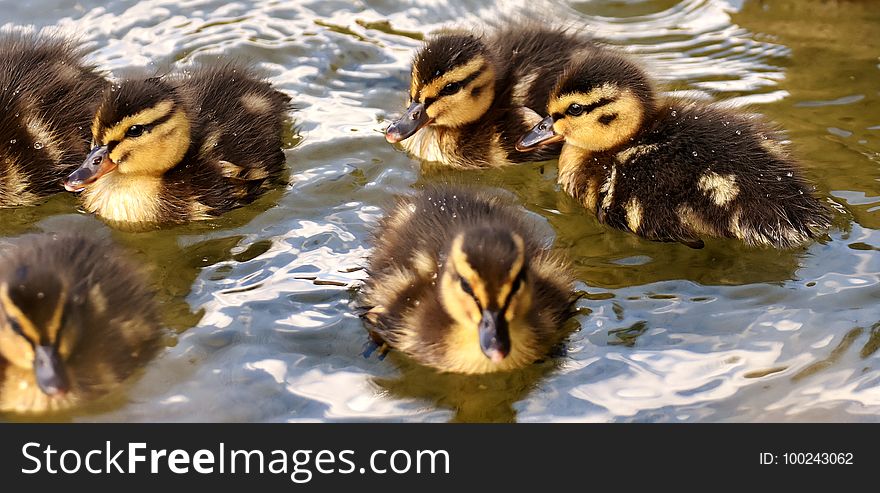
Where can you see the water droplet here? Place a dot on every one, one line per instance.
(778, 178)
(788, 174)
(13, 141)
(674, 113)
(739, 132)
(38, 145)
(695, 154)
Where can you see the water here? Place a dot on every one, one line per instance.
(258, 303)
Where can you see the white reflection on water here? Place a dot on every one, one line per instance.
(278, 339)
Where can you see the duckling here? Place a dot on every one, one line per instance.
(673, 170)
(461, 281)
(182, 148)
(75, 321)
(48, 95)
(472, 97)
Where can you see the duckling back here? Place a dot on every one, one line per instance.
(47, 98)
(76, 320)
(238, 120)
(701, 171)
(441, 249)
(673, 170)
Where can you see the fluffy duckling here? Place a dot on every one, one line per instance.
(673, 170)
(462, 281)
(471, 98)
(182, 148)
(75, 321)
(48, 95)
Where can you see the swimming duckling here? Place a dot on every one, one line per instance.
(182, 148)
(75, 321)
(462, 281)
(471, 98)
(48, 95)
(673, 170)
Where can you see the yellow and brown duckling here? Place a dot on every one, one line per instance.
(472, 97)
(48, 95)
(462, 281)
(75, 320)
(182, 148)
(673, 170)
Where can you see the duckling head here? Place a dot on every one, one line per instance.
(453, 84)
(598, 104)
(140, 129)
(482, 287)
(40, 326)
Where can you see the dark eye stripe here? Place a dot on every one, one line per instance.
(459, 85)
(16, 327)
(146, 127)
(515, 286)
(598, 104)
(466, 287)
(587, 107)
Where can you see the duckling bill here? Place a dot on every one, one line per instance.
(471, 97)
(673, 170)
(76, 320)
(462, 281)
(182, 148)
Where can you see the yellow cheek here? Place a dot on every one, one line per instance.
(561, 126)
(519, 306)
(16, 349)
(460, 306)
(438, 108)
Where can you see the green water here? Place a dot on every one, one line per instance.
(258, 303)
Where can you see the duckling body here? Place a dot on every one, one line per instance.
(472, 98)
(75, 321)
(674, 170)
(183, 148)
(48, 95)
(462, 281)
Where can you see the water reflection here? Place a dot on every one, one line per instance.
(261, 300)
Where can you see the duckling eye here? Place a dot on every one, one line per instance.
(451, 88)
(135, 131)
(16, 327)
(466, 286)
(574, 109)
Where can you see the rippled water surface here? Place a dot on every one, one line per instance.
(259, 302)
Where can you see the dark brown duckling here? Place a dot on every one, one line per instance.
(472, 97)
(48, 95)
(76, 320)
(673, 170)
(462, 281)
(183, 148)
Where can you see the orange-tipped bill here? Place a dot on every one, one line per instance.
(96, 165)
(409, 123)
(542, 134)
